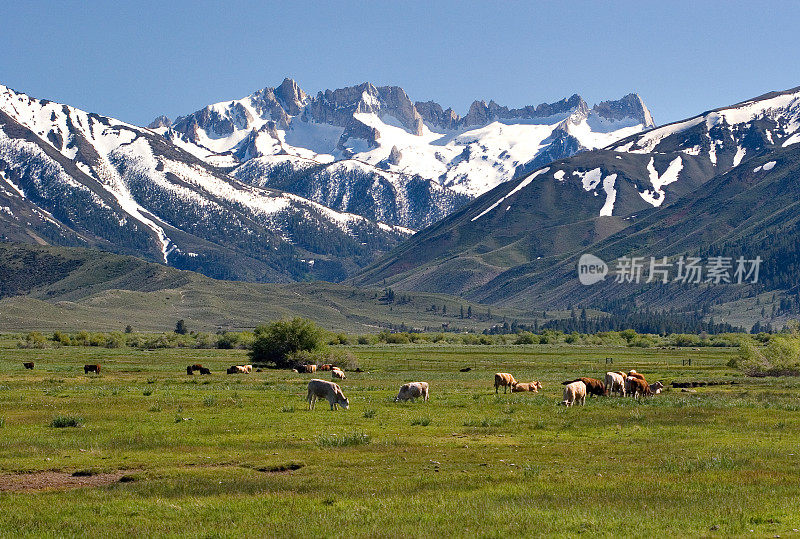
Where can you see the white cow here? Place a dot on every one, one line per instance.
(574, 392)
(412, 391)
(322, 389)
(336, 372)
(615, 383)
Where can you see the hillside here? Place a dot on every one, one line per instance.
(48, 288)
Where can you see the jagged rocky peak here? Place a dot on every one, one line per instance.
(434, 115)
(481, 113)
(394, 156)
(630, 106)
(291, 96)
(159, 122)
(337, 106)
(568, 105)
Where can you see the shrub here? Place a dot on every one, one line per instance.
(62, 421)
(115, 340)
(526, 337)
(34, 339)
(367, 339)
(781, 356)
(61, 338)
(275, 342)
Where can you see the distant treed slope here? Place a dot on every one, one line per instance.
(74, 178)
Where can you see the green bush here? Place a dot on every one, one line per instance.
(781, 356)
(34, 339)
(526, 337)
(63, 421)
(275, 342)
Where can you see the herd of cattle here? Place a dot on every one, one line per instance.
(631, 383)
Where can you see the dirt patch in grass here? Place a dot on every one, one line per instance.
(55, 480)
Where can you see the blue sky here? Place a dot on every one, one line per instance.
(136, 60)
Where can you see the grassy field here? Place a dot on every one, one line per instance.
(240, 455)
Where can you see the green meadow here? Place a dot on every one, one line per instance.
(241, 455)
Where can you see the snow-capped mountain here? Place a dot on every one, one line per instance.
(381, 132)
(75, 178)
(498, 243)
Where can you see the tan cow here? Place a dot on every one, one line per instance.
(412, 391)
(307, 368)
(322, 389)
(615, 383)
(325, 367)
(534, 387)
(503, 379)
(337, 373)
(574, 392)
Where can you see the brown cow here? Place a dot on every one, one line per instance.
(593, 385)
(91, 368)
(529, 386)
(638, 387)
(630, 385)
(504, 379)
(28, 365)
(325, 367)
(196, 367)
(307, 368)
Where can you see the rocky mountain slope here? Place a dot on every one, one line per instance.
(69, 177)
(428, 160)
(721, 181)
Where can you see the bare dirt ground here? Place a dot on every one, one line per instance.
(55, 481)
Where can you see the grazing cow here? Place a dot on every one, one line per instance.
(503, 379)
(325, 367)
(630, 385)
(322, 389)
(307, 368)
(656, 388)
(337, 373)
(203, 370)
(189, 370)
(235, 369)
(593, 385)
(529, 386)
(28, 365)
(248, 369)
(638, 387)
(412, 391)
(615, 383)
(196, 367)
(91, 368)
(574, 392)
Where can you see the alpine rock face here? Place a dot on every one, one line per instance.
(425, 160)
(68, 177)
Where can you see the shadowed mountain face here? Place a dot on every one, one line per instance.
(68, 177)
(427, 161)
(718, 183)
